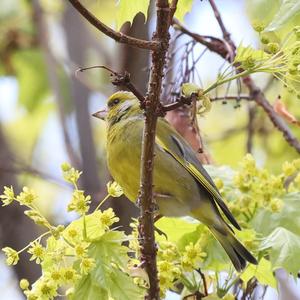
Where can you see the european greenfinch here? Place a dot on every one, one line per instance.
(182, 187)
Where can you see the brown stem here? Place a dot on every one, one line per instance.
(233, 97)
(226, 34)
(118, 79)
(173, 8)
(277, 121)
(117, 36)
(251, 127)
(213, 44)
(152, 103)
(182, 101)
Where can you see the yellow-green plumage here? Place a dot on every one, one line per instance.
(181, 185)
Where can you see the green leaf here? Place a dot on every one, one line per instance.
(122, 287)
(31, 74)
(176, 228)
(85, 289)
(287, 10)
(266, 221)
(283, 248)
(217, 258)
(108, 278)
(127, 10)
(190, 237)
(263, 10)
(94, 226)
(243, 53)
(108, 248)
(183, 7)
(263, 273)
(189, 88)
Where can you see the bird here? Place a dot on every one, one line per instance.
(182, 187)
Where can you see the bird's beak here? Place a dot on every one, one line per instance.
(101, 114)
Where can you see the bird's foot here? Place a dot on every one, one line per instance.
(160, 232)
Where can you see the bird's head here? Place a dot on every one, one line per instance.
(120, 105)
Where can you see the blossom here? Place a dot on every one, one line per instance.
(24, 284)
(114, 189)
(27, 197)
(86, 265)
(108, 217)
(37, 251)
(8, 196)
(12, 256)
(70, 174)
(80, 202)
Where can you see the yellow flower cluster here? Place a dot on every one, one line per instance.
(257, 188)
(282, 60)
(65, 256)
(79, 203)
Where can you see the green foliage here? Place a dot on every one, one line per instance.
(86, 255)
(88, 259)
(263, 273)
(109, 255)
(263, 10)
(183, 7)
(127, 10)
(266, 221)
(287, 10)
(283, 247)
(31, 74)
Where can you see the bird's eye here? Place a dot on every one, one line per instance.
(113, 102)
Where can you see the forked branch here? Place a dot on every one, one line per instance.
(226, 49)
(115, 35)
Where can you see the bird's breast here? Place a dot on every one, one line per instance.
(175, 189)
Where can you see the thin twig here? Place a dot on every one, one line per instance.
(277, 121)
(118, 79)
(231, 97)
(250, 127)
(226, 34)
(204, 282)
(173, 7)
(117, 36)
(182, 101)
(255, 93)
(212, 43)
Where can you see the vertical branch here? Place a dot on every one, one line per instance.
(250, 127)
(226, 34)
(152, 103)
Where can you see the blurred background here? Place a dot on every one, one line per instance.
(45, 110)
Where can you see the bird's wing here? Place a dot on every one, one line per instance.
(172, 143)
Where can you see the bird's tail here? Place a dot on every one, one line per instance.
(237, 253)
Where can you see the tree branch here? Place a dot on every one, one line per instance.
(221, 48)
(152, 105)
(182, 101)
(115, 35)
(173, 8)
(212, 43)
(226, 34)
(118, 79)
(277, 121)
(233, 97)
